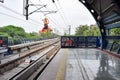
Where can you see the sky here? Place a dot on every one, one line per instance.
(69, 13)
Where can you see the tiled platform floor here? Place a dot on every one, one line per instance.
(91, 64)
(82, 64)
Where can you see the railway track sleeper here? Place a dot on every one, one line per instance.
(38, 64)
(11, 64)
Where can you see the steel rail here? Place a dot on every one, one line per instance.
(13, 63)
(29, 70)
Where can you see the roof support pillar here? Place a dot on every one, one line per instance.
(104, 41)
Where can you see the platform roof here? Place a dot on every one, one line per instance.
(107, 11)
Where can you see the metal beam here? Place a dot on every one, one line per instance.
(2, 1)
(109, 7)
(36, 4)
(114, 25)
(37, 9)
(47, 12)
(92, 1)
(112, 20)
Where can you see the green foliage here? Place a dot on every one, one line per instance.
(15, 32)
(46, 34)
(85, 30)
(65, 34)
(55, 35)
(115, 31)
(32, 35)
(80, 30)
(3, 34)
(96, 32)
(89, 32)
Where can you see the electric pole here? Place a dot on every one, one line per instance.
(69, 29)
(26, 6)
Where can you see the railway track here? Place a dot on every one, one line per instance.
(14, 63)
(37, 66)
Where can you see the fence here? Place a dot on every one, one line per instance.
(79, 41)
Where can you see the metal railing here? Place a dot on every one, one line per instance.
(79, 41)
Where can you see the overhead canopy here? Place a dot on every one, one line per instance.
(105, 12)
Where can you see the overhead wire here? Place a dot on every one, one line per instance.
(40, 1)
(11, 16)
(10, 10)
(36, 7)
(22, 16)
(17, 18)
(67, 20)
(62, 16)
(52, 19)
(42, 12)
(63, 12)
(15, 13)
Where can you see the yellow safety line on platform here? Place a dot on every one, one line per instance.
(62, 68)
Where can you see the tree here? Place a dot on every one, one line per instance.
(80, 30)
(115, 31)
(46, 34)
(55, 35)
(65, 34)
(16, 32)
(89, 32)
(34, 35)
(84, 30)
(95, 30)
(13, 31)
